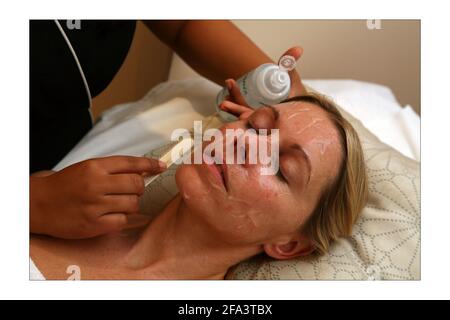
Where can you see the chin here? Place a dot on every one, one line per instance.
(191, 186)
(197, 195)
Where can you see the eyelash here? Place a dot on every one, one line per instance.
(281, 177)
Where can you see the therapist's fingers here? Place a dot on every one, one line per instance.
(116, 222)
(295, 52)
(129, 164)
(235, 93)
(137, 221)
(124, 184)
(126, 203)
(235, 109)
(297, 87)
(113, 222)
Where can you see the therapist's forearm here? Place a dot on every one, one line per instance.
(217, 50)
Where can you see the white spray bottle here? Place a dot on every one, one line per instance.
(266, 85)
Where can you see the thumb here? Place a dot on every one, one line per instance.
(137, 221)
(295, 52)
(297, 85)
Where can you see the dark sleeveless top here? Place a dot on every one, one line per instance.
(59, 104)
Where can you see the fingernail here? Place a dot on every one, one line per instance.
(229, 85)
(162, 164)
(223, 107)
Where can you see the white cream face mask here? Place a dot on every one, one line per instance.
(298, 113)
(162, 188)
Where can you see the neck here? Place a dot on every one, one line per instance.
(178, 245)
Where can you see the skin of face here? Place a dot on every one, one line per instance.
(258, 209)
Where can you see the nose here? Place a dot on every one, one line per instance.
(263, 118)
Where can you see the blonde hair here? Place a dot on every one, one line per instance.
(342, 201)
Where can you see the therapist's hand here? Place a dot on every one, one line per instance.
(90, 198)
(297, 87)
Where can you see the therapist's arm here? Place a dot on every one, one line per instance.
(216, 49)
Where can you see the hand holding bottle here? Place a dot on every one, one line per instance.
(235, 96)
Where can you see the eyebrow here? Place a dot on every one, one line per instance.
(305, 156)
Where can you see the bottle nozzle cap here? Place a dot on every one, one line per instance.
(279, 80)
(287, 63)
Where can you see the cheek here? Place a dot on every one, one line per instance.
(284, 212)
(254, 190)
(271, 189)
(256, 211)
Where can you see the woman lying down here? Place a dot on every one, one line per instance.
(214, 223)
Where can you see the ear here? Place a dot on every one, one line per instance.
(295, 246)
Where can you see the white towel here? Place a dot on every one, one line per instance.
(35, 274)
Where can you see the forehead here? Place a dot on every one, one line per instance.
(310, 126)
(304, 119)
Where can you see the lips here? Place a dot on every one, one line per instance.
(219, 172)
(222, 168)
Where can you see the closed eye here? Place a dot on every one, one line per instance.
(281, 177)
